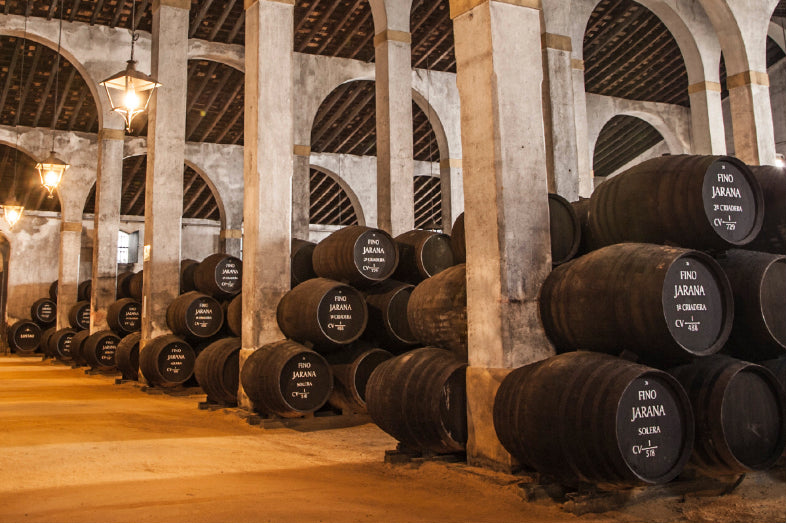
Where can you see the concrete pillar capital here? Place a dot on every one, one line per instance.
(301, 150)
(179, 4)
(71, 226)
(557, 42)
(460, 7)
(111, 134)
(748, 78)
(392, 36)
(577, 64)
(705, 86)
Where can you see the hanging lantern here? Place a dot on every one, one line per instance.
(129, 92)
(51, 171)
(13, 212)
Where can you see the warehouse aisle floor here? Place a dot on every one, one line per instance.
(77, 447)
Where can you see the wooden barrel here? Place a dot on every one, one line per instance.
(422, 254)
(758, 291)
(667, 305)
(167, 361)
(219, 275)
(53, 290)
(358, 255)
(698, 202)
(595, 418)
(739, 409)
(135, 285)
(234, 315)
(351, 371)
(458, 240)
(46, 337)
(565, 231)
(195, 316)
(437, 311)
(287, 379)
(419, 398)
(124, 316)
(582, 212)
(84, 290)
(771, 237)
(77, 342)
(388, 326)
(127, 356)
(44, 312)
(79, 315)
(323, 312)
(217, 371)
(777, 367)
(187, 268)
(99, 350)
(24, 337)
(301, 267)
(123, 280)
(60, 344)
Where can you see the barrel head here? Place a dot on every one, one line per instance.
(105, 349)
(228, 275)
(45, 311)
(176, 362)
(63, 348)
(772, 293)
(375, 255)
(204, 317)
(732, 202)
(130, 317)
(342, 314)
(306, 381)
(654, 428)
(26, 336)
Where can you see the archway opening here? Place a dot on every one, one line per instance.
(623, 140)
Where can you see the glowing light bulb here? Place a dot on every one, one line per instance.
(12, 214)
(51, 178)
(131, 100)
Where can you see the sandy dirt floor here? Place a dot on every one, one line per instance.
(77, 447)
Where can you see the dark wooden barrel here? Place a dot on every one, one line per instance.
(195, 316)
(24, 337)
(218, 372)
(758, 291)
(301, 267)
(667, 305)
(287, 379)
(595, 418)
(77, 342)
(698, 202)
(565, 231)
(351, 371)
(437, 311)
(582, 212)
(771, 237)
(422, 254)
(127, 356)
(135, 285)
(84, 290)
(46, 337)
(60, 344)
(358, 255)
(79, 315)
(53, 290)
(419, 398)
(124, 316)
(777, 367)
(739, 409)
(388, 326)
(44, 312)
(99, 350)
(323, 312)
(234, 315)
(219, 275)
(187, 268)
(167, 361)
(458, 240)
(123, 280)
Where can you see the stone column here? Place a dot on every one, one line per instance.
(752, 120)
(268, 171)
(166, 154)
(562, 162)
(394, 100)
(499, 70)
(68, 273)
(584, 155)
(109, 183)
(300, 192)
(230, 241)
(707, 119)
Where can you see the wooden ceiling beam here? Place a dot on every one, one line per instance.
(603, 35)
(619, 60)
(236, 28)
(362, 125)
(337, 214)
(306, 15)
(417, 25)
(322, 125)
(10, 76)
(341, 24)
(218, 90)
(63, 96)
(74, 10)
(231, 126)
(50, 79)
(209, 199)
(350, 34)
(349, 118)
(194, 97)
(96, 11)
(75, 114)
(52, 9)
(316, 28)
(220, 22)
(118, 11)
(199, 17)
(222, 111)
(327, 200)
(140, 12)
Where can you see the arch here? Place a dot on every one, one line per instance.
(607, 159)
(351, 195)
(427, 202)
(212, 188)
(214, 102)
(776, 33)
(435, 122)
(654, 119)
(228, 54)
